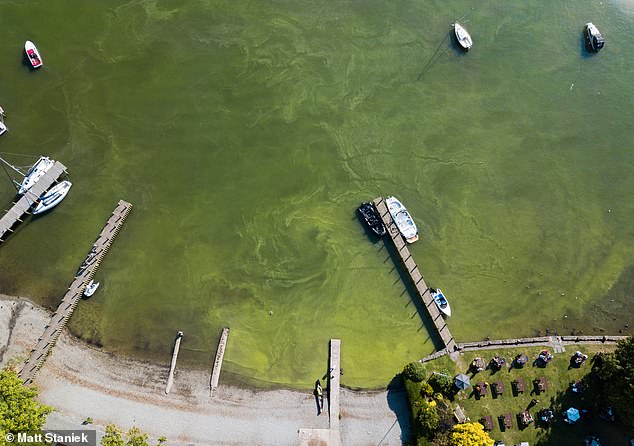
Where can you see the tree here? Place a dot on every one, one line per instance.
(470, 434)
(19, 411)
(616, 374)
(428, 419)
(442, 382)
(414, 371)
(113, 436)
(134, 437)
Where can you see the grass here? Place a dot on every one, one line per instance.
(558, 396)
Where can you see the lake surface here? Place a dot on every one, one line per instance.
(247, 133)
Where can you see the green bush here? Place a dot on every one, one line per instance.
(422, 441)
(428, 419)
(414, 371)
(443, 383)
(426, 391)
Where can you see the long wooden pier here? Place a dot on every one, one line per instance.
(334, 374)
(14, 215)
(84, 275)
(220, 354)
(415, 276)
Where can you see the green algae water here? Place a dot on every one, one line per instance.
(247, 133)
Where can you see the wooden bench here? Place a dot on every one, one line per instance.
(459, 414)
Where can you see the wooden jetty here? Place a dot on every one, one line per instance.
(75, 291)
(334, 374)
(220, 354)
(557, 343)
(21, 207)
(415, 276)
(177, 346)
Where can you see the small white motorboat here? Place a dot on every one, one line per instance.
(402, 219)
(35, 173)
(462, 37)
(3, 128)
(441, 301)
(91, 288)
(594, 39)
(33, 54)
(52, 197)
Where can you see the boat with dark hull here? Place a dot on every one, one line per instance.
(463, 39)
(372, 218)
(594, 39)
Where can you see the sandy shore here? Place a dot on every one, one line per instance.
(81, 381)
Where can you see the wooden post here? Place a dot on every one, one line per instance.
(177, 345)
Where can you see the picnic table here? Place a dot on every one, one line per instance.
(525, 418)
(497, 388)
(519, 385)
(482, 388)
(578, 386)
(478, 364)
(541, 384)
(487, 422)
(506, 420)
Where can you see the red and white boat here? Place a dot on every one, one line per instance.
(33, 54)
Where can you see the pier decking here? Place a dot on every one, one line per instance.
(220, 353)
(334, 374)
(32, 196)
(415, 275)
(85, 274)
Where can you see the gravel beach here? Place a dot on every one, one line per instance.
(80, 382)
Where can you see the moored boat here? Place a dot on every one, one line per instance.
(372, 218)
(402, 219)
(52, 197)
(91, 288)
(462, 37)
(36, 172)
(33, 54)
(594, 39)
(441, 301)
(3, 128)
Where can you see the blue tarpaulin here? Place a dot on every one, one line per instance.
(572, 415)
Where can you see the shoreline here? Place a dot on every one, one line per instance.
(81, 381)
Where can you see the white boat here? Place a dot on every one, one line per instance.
(3, 128)
(35, 173)
(33, 54)
(441, 301)
(402, 219)
(91, 288)
(462, 37)
(52, 197)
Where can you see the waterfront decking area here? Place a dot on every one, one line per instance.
(416, 277)
(75, 291)
(14, 215)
